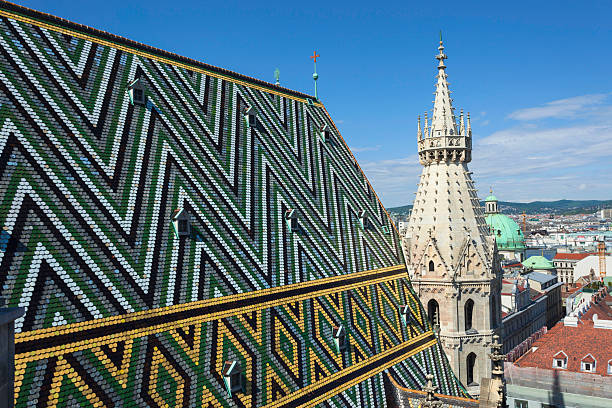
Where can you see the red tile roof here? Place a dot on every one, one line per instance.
(575, 342)
(571, 257)
(601, 309)
(588, 359)
(514, 265)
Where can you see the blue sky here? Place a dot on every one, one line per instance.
(534, 75)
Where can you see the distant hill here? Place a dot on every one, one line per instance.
(561, 207)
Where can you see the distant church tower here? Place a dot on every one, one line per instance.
(450, 254)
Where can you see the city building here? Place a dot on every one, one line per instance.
(509, 238)
(538, 263)
(589, 268)
(173, 232)
(569, 366)
(523, 312)
(549, 286)
(565, 263)
(451, 256)
(605, 213)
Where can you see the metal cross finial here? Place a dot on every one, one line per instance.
(315, 56)
(440, 36)
(315, 76)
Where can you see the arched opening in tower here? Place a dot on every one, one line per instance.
(471, 364)
(433, 312)
(468, 309)
(431, 266)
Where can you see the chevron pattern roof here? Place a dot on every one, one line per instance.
(124, 310)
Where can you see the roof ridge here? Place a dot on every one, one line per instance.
(104, 35)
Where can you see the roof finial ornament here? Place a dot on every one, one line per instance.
(441, 56)
(430, 400)
(277, 76)
(461, 124)
(419, 132)
(315, 76)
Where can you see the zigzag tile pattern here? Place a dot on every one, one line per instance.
(88, 186)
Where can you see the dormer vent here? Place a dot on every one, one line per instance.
(136, 91)
(232, 377)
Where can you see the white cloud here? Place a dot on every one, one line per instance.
(394, 179)
(527, 161)
(365, 149)
(562, 108)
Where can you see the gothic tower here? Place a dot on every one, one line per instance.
(450, 254)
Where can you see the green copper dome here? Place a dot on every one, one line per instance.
(538, 262)
(491, 198)
(508, 235)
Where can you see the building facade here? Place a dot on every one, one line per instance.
(451, 256)
(549, 286)
(589, 268)
(565, 263)
(524, 311)
(569, 366)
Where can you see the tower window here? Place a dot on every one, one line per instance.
(433, 312)
(431, 266)
(471, 365)
(468, 309)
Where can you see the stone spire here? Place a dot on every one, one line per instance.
(450, 255)
(443, 119)
(445, 139)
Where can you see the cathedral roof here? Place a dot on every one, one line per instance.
(508, 235)
(93, 180)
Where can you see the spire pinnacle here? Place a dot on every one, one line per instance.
(450, 136)
(419, 133)
(442, 120)
(469, 125)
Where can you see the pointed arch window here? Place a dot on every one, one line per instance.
(471, 367)
(431, 266)
(469, 311)
(433, 312)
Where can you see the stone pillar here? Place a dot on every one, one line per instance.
(7, 354)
